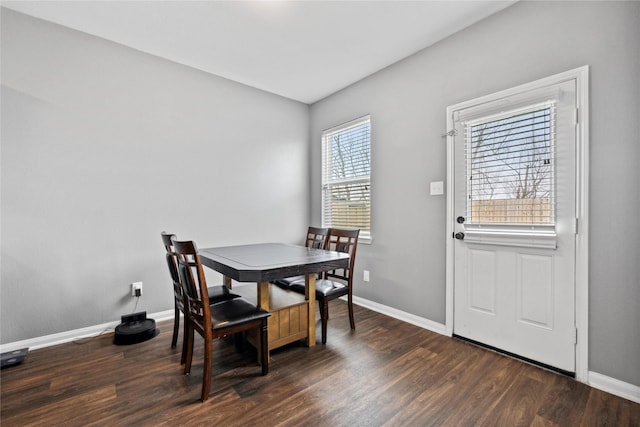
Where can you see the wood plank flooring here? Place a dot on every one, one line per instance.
(386, 373)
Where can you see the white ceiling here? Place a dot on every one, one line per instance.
(303, 50)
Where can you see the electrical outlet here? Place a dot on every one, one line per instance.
(365, 276)
(136, 289)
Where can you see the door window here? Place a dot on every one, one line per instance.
(510, 167)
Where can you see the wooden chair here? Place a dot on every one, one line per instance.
(327, 288)
(215, 293)
(316, 238)
(227, 317)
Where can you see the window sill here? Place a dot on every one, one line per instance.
(511, 238)
(365, 240)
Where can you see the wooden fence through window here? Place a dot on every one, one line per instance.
(351, 214)
(512, 211)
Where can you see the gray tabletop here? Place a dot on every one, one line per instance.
(264, 262)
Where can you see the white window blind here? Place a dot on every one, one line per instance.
(346, 171)
(510, 167)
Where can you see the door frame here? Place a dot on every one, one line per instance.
(581, 76)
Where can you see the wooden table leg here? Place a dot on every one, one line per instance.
(310, 295)
(226, 281)
(263, 303)
(263, 295)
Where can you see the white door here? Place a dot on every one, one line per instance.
(514, 161)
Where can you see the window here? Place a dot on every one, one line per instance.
(346, 171)
(510, 167)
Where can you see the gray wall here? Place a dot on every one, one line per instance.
(103, 147)
(407, 103)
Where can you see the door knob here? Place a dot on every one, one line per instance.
(460, 219)
(459, 236)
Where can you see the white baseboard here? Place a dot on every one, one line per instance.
(63, 337)
(402, 315)
(614, 386)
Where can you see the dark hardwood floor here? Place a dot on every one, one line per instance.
(386, 373)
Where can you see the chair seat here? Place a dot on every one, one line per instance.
(324, 287)
(286, 283)
(220, 293)
(235, 311)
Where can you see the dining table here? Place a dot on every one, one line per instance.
(263, 263)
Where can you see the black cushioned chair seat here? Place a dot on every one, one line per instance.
(286, 283)
(323, 287)
(220, 293)
(227, 313)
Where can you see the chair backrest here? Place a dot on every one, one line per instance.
(194, 285)
(316, 237)
(172, 263)
(342, 240)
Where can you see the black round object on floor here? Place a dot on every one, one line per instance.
(135, 332)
